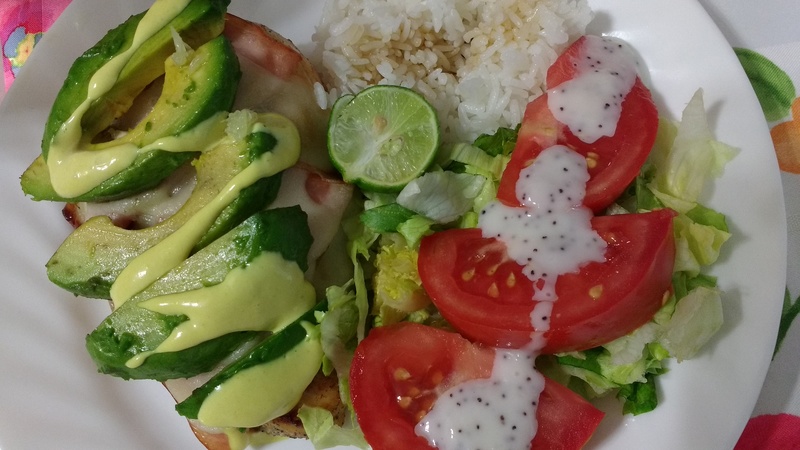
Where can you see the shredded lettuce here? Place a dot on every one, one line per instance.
(697, 245)
(639, 397)
(385, 233)
(626, 360)
(360, 240)
(697, 317)
(339, 329)
(386, 218)
(441, 196)
(473, 159)
(415, 228)
(323, 431)
(632, 363)
(501, 142)
(686, 157)
(398, 288)
(488, 160)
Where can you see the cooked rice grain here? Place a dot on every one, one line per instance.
(479, 62)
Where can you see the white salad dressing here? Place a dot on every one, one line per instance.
(489, 413)
(549, 235)
(590, 104)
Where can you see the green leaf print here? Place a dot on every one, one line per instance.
(789, 313)
(773, 87)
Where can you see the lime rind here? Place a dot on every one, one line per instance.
(383, 138)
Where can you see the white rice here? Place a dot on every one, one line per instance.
(479, 62)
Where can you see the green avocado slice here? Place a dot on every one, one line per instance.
(193, 92)
(132, 330)
(88, 262)
(275, 350)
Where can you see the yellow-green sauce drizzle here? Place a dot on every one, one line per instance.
(75, 168)
(252, 397)
(266, 295)
(159, 259)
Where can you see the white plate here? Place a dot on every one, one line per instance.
(51, 396)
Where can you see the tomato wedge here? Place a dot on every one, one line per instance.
(613, 161)
(485, 296)
(399, 371)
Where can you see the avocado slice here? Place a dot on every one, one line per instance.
(88, 262)
(189, 97)
(132, 330)
(288, 349)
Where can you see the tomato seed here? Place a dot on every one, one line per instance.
(591, 160)
(468, 274)
(404, 402)
(511, 281)
(401, 374)
(493, 291)
(437, 378)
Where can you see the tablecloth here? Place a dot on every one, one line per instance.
(766, 38)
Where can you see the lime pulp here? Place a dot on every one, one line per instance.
(383, 138)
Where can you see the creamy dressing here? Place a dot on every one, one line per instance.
(488, 413)
(75, 167)
(159, 259)
(240, 438)
(590, 104)
(252, 397)
(266, 295)
(549, 235)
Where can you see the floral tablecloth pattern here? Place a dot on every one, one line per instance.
(770, 55)
(22, 23)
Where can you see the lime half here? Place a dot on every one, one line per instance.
(383, 137)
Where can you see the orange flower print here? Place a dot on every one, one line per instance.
(786, 138)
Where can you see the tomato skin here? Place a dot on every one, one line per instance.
(614, 160)
(632, 285)
(539, 130)
(421, 351)
(564, 428)
(566, 421)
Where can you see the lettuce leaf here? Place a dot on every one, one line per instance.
(697, 244)
(501, 142)
(697, 317)
(360, 240)
(398, 288)
(441, 196)
(639, 397)
(323, 432)
(686, 157)
(471, 159)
